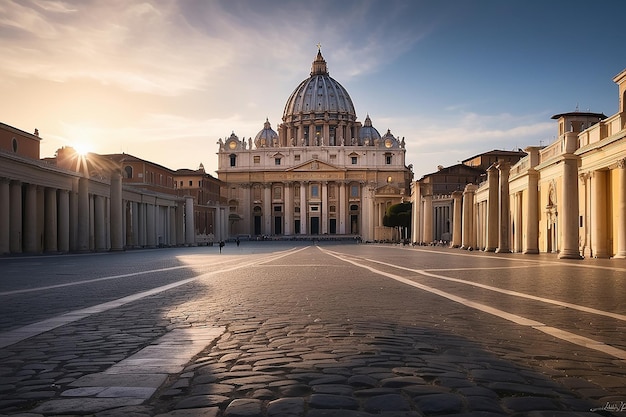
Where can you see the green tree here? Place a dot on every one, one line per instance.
(399, 217)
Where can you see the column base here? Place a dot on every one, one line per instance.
(503, 250)
(531, 252)
(490, 249)
(620, 256)
(565, 254)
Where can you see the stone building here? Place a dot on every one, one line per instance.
(567, 198)
(321, 172)
(78, 203)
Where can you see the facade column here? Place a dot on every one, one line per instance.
(493, 217)
(30, 219)
(15, 213)
(598, 215)
(342, 208)
(288, 187)
(50, 220)
(505, 203)
(457, 231)
(532, 213)
(117, 213)
(416, 200)
(99, 223)
(468, 238)
(63, 221)
(190, 229)
(428, 219)
(151, 241)
(267, 209)
(180, 223)
(246, 190)
(5, 216)
(568, 210)
(82, 243)
(324, 207)
(621, 207)
(303, 208)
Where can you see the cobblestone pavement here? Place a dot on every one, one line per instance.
(304, 335)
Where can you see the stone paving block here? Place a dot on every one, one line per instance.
(439, 403)
(526, 404)
(196, 412)
(387, 402)
(120, 380)
(84, 405)
(197, 401)
(333, 402)
(335, 389)
(82, 392)
(286, 407)
(244, 408)
(130, 392)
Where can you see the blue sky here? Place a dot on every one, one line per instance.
(164, 80)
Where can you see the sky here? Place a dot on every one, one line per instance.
(164, 80)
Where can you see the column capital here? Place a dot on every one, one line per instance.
(621, 163)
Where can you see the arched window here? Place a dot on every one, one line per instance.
(129, 171)
(14, 144)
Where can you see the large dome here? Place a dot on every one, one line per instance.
(319, 95)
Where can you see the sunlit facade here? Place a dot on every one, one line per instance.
(567, 198)
(321, 173)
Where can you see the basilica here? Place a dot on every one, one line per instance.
(320, 173)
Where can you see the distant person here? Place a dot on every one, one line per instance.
(237, 241)
(221, 245)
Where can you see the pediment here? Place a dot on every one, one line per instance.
(315, 165)
(387, 190)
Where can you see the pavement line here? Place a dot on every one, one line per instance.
(25, 332)
(555, 332)
(135, 379)
(507, 292)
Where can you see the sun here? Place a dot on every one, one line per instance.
(82, 149)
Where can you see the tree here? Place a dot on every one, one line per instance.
(399, 216)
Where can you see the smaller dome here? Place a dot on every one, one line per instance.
(368, 134)
(266, 137)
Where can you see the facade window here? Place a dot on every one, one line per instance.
(354, 160)
(191, 183)
(276, 161)
(388, 159)
(160, 179)
(296, 158)
(233, 160)
(332, 209)
(315, 191)
(257, 159)
(297, 209)
(278, 193)
(296, 192)
(129, 171)
(354, 191)
(278, 209)
(14, 144)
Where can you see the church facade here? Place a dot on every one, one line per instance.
(322, 172)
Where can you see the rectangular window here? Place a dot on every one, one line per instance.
(278, 192)
(315, 191)
(233, 160)
(276, 161)
(296, 158)
(296, 192)
(353, 160)
(354, 191)
(257, 159)
(191, 183)
(388, 159)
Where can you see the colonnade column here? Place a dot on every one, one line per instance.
(568, 211)
(246, 189)
(50, 220)
(303, 208)
(99, 224)
(117, 228)
(15, 213)
(288, 208)
(267, 209)
(457, 231)
(493, 216)
(324, 207)
(342, 206)
(503, 238)
(63, 222)
(621, 207)
(5, 216)
(30, 219)
(428, 219)
(82, 243)
(180, 223)
(468, 239)
(190, 229)
(532, 213)
(598, 215)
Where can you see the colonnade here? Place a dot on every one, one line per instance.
(83, 214)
